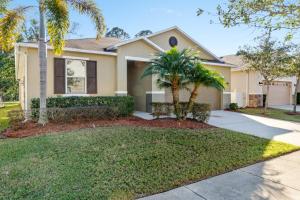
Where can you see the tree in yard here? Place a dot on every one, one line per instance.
(270, 59)
(117, 32)
(171, 68)
(143, 33)
(294, 70)
(55, 15)
(199, 75)
(276, 14)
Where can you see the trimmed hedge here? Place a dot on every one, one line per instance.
(123, 104)
(200, 111)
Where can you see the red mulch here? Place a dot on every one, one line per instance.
(32, 129)
(292, 113)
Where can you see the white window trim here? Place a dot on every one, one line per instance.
(132, 58)
(66, 81)
(75, 58)
(121, 92)
(155, 92)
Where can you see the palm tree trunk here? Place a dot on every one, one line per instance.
(267, 98)
(43, 119)
(192, 100)
(175, 93)
(296, 94)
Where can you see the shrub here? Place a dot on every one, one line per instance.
(124, 105)
(81, 113)
(160, 109)
(201, 112)
(16, 119)
(233, 106)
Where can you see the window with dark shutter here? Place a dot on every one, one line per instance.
(91, 75)
(59, 76)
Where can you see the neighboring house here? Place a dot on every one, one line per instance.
(109, 67)
(248, 87)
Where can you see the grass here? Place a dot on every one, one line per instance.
(123, 162)
(271, 113)
(4, 121)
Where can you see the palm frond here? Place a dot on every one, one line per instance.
(200, 75)
(57, 23)
(10, 26)
(90, 8)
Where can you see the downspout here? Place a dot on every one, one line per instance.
(247, 89)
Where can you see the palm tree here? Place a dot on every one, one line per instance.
(54, 14)
(171, 68)
(199, 75)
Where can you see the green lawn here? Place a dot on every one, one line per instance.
(123, 162)
(3, 114)
(272, 113)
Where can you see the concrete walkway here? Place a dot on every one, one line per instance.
(274, 129)
(277, 179)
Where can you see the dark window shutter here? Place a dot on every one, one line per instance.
(91, 75)
(59, 76)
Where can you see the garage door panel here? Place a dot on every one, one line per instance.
(205, 95)
(279, 94)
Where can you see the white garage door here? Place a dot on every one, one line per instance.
(280, 93)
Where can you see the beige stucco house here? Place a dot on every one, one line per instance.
(109, 67)
(248, 87)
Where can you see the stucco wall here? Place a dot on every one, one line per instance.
(106, 72)
(138, 87)
(139, 49)
(162, 40)
(208, 95)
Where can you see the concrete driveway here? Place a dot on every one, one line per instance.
(277, 179)
(274, 129)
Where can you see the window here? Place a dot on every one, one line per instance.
(75, 76)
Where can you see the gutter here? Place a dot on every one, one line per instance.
(30, 45)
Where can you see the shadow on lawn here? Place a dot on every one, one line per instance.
(260, 181)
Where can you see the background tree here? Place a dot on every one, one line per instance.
(117, 32)
(8, 82)
(270, 59)
(54, 14)
(171, 68)
(3, 4)
(143, 33)
(31, 33)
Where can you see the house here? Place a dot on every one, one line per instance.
(109, 67)
(248, 87)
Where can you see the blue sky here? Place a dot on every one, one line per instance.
(136, 15)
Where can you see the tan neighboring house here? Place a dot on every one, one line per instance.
(109, 67)
(248, 87)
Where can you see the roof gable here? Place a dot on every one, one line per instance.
(156, 39)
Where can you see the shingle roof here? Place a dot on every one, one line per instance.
(89, 43)
(235, 60)
(92, 43)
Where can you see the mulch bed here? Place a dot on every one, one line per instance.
(292, 113)
(33, 129)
